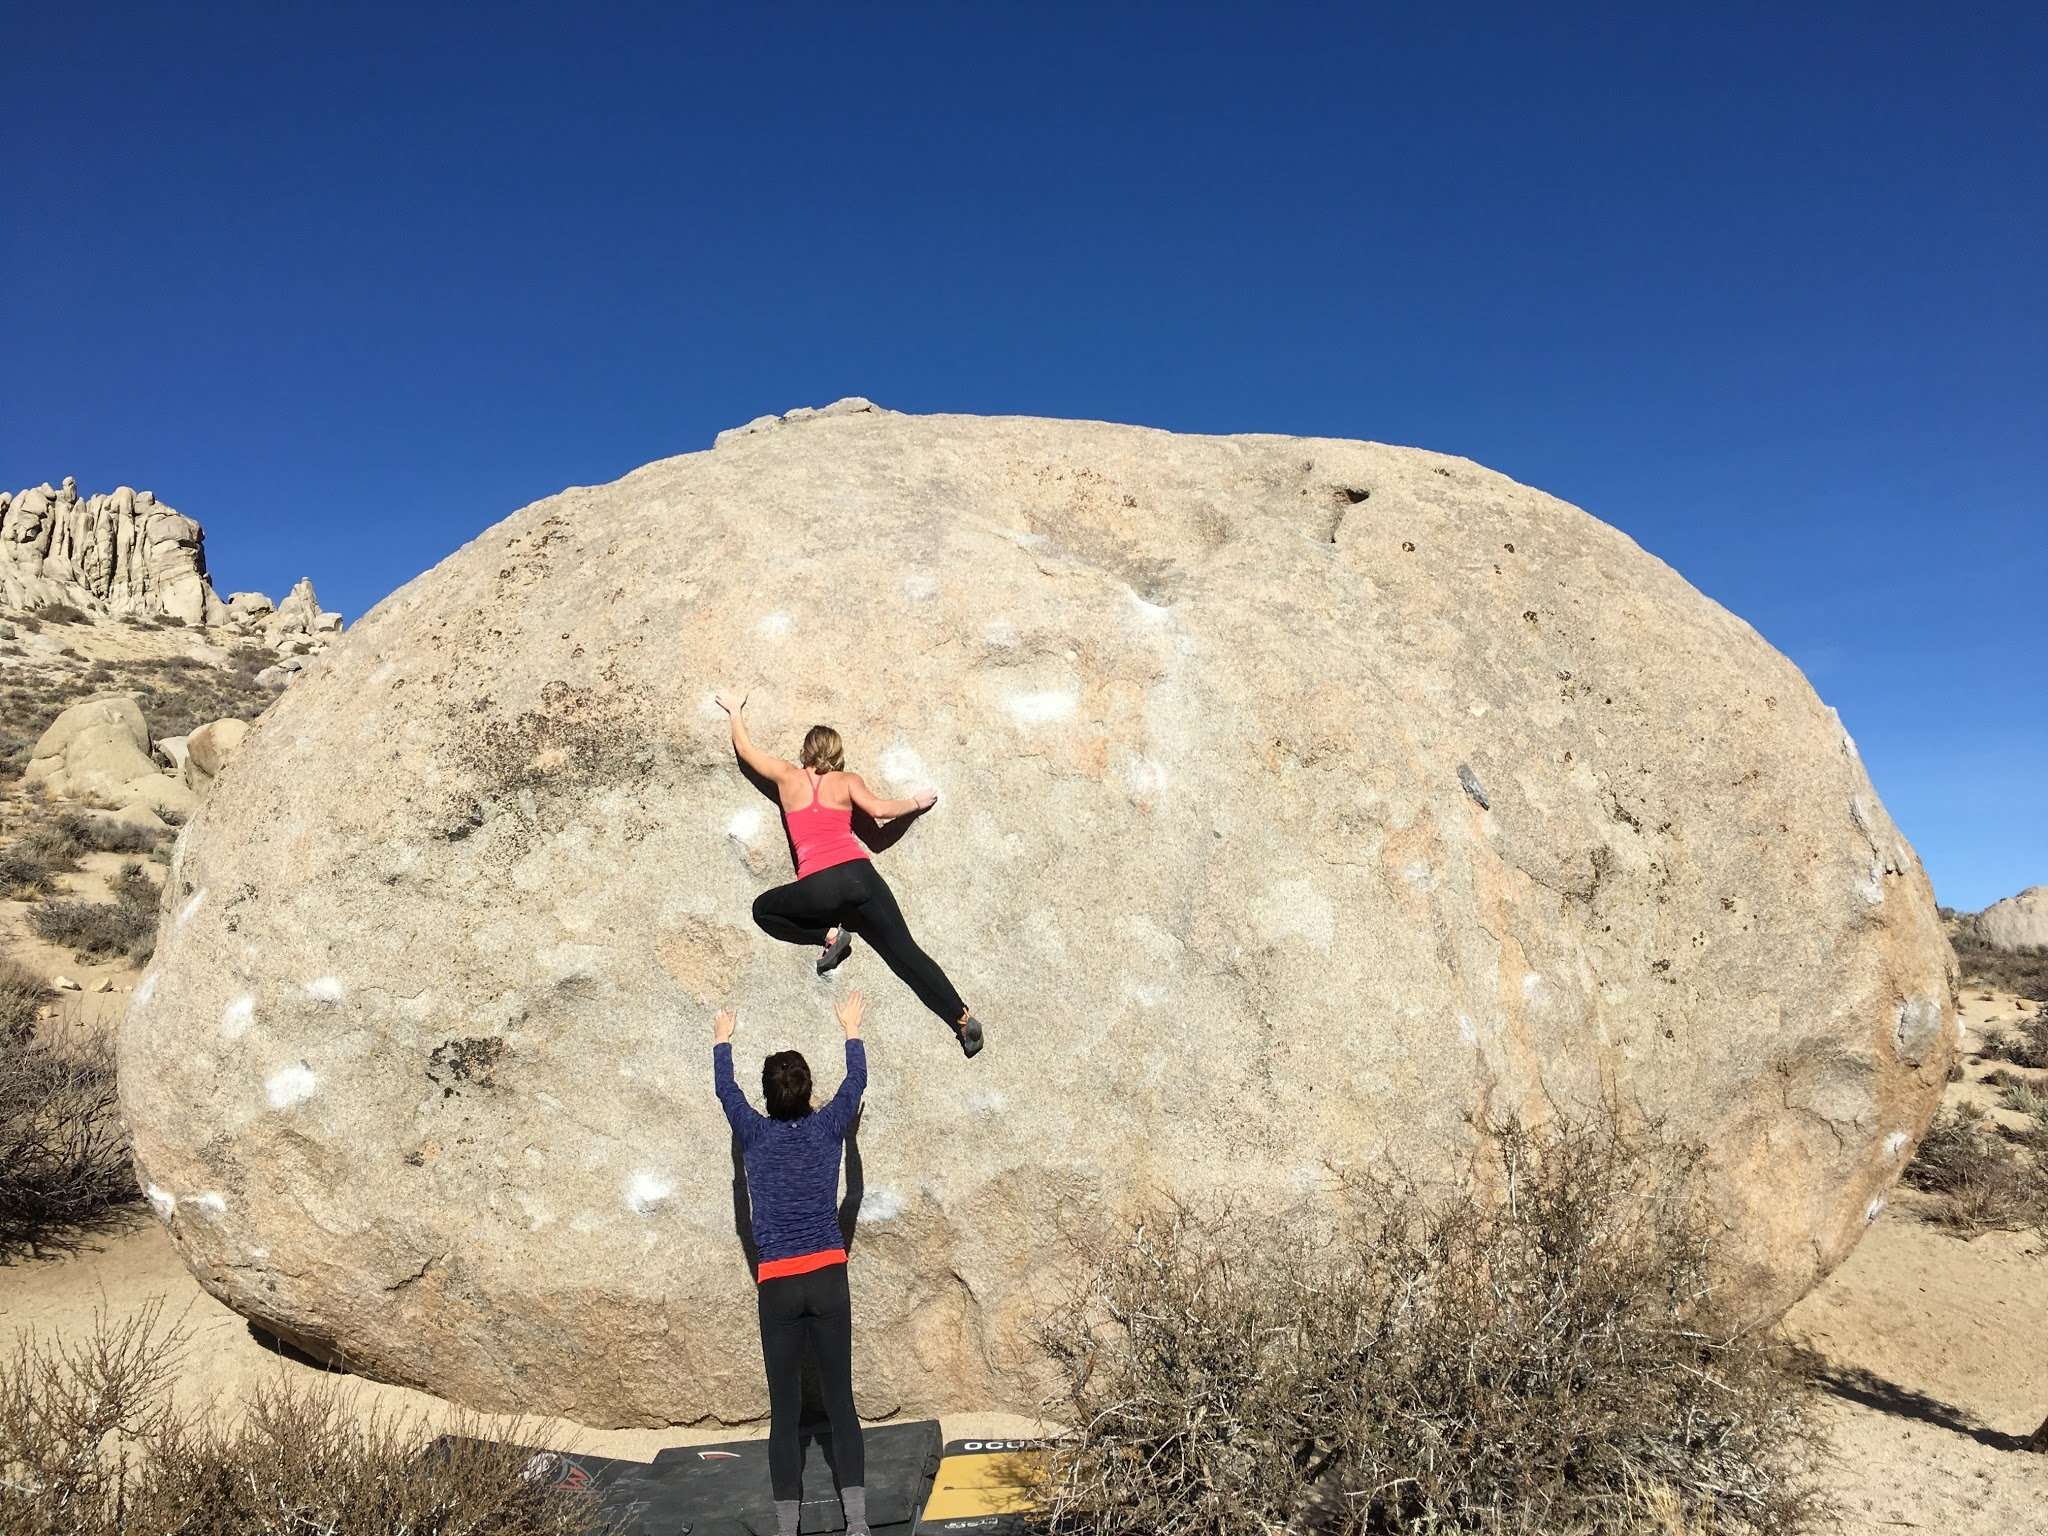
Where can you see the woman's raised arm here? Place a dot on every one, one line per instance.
(767, 764)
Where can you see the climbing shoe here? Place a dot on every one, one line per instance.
(968, 1033)
(835, 952)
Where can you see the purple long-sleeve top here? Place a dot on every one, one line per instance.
(793, 1166)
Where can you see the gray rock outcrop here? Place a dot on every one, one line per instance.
(2017, 922)
(1298, 799)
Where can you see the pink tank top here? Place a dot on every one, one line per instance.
(822, 834)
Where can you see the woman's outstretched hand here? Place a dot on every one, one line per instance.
(723, 1025)
(729, 701)
(849, 1015)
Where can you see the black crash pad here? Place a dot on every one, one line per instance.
(722, 1490)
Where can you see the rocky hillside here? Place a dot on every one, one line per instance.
(123, 554)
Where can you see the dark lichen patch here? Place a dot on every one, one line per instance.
(548, 759)
(471, 1061)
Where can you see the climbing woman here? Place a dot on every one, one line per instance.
(838, 892)
(791, 1156)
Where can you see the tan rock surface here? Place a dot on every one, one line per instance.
(208, 749)
(117, 553)
(1297, 798)
(99, 746)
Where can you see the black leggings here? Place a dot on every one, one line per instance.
(814, 1309)
(854, 896)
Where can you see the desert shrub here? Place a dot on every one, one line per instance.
(2020, 971)
(104, 834)
(169, 815)
(30, 865)
(6, 630)
(2024, 1046)
(21, 994)
(91, 1444)
(23, 874)
(2024, 1098)
(1540, 1349)
(63, 1154)
(98, 930)
(62, 613)
(1980, 1181)
(31, 623)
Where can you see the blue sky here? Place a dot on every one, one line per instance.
(350, 283)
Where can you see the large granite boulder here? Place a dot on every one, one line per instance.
(2017, 922)
(1297, 799)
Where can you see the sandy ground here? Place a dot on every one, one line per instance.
(1936, 1353)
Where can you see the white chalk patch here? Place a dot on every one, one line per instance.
(210, 1203)
(646, 1191)
(1143, 776)
(919, 585)
(1307, 1177)
(1150, 613)
(1041, 708)
(236, 1018)
(164, 1202)
(744, 824)
(1295, 909)
(1535, 988)
(145, 991)
(985, 1101)
(708, 707)
(1848, 741)
(192, 904)
(902, 768)
(293, 1085)
(774, 626)
(1476, 710)
(325, 989)
(1871, 886)
(881, 1205)
(1466, 1031)
(1143, 994)
(1875, 1209)
(1895, 1143)
(1000, 633)
(1420, 876)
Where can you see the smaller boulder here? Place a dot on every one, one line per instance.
(97, 747)
(208, 749)
(328, 623)
(171, 751)
(104, 984)
(140, 813)
(64, 984)
(274, 678)
(2018, 922)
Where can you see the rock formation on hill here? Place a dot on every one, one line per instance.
(123, 554)
(1298, 798)
(2018, 922)
(117, 553)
